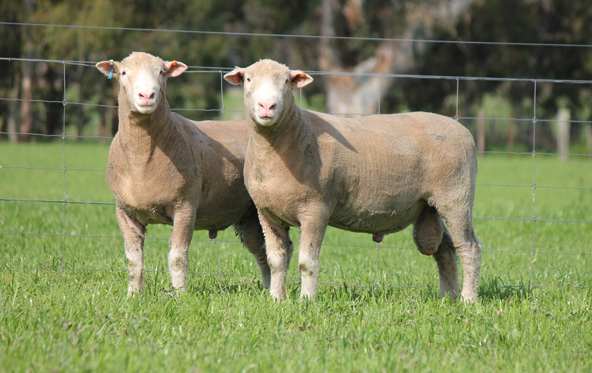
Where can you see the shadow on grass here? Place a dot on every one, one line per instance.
(495, 289)
(490, 289)
(225, 285)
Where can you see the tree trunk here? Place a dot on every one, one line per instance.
(114, 112)
(76, 114)
(361, 94)
(54, 112)
(102, 112)
(12, 111)
(26, 117)
(587, 133)
(4, 122)
(511, 134)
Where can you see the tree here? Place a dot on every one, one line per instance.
(10, 80)
(369, 54)
(523, 21)
(378, 19)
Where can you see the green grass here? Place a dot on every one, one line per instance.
(63, 304)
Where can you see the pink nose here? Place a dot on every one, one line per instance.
(266, 109)
(146, 98)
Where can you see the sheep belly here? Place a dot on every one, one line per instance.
(372, 221)
(221, 218)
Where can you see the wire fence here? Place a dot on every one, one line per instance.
(525, 224)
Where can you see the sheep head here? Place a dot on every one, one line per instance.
(268, 89)
(142, 79)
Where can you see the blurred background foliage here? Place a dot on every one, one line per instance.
(390, 37)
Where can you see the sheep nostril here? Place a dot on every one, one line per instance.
(146, 96)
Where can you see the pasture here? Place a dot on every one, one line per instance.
(63, 284)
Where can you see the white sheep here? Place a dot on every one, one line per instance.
(377, 174)
(166, 169)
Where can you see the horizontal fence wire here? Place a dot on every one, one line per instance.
(534, 251)
(298, 36)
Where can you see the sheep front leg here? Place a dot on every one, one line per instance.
(183, 224)
(279, 251)
(311, 238)
(133, 236)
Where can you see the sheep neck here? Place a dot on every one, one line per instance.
(140, 134)
(274, 137)
(292, 145)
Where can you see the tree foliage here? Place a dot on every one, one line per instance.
(112, 29)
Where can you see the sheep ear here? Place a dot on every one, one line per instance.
(300, 78)
(108, 68)
(174, 68)
(236, 76)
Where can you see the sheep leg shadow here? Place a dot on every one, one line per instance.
(249, 231)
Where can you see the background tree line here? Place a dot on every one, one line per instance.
(369, 22)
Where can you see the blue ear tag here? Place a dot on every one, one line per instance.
(110, 74)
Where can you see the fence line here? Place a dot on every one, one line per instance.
(534, 219)
(393, 247)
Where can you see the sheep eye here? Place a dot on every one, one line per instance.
(249, 80)
(123, 73)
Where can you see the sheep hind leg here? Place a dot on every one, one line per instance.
(432, 238)
(468, 247)
(447, 262)
(249, 231)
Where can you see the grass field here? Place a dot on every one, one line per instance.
(63, 304)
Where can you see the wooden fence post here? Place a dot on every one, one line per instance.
(481, 132)
(563, 117)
